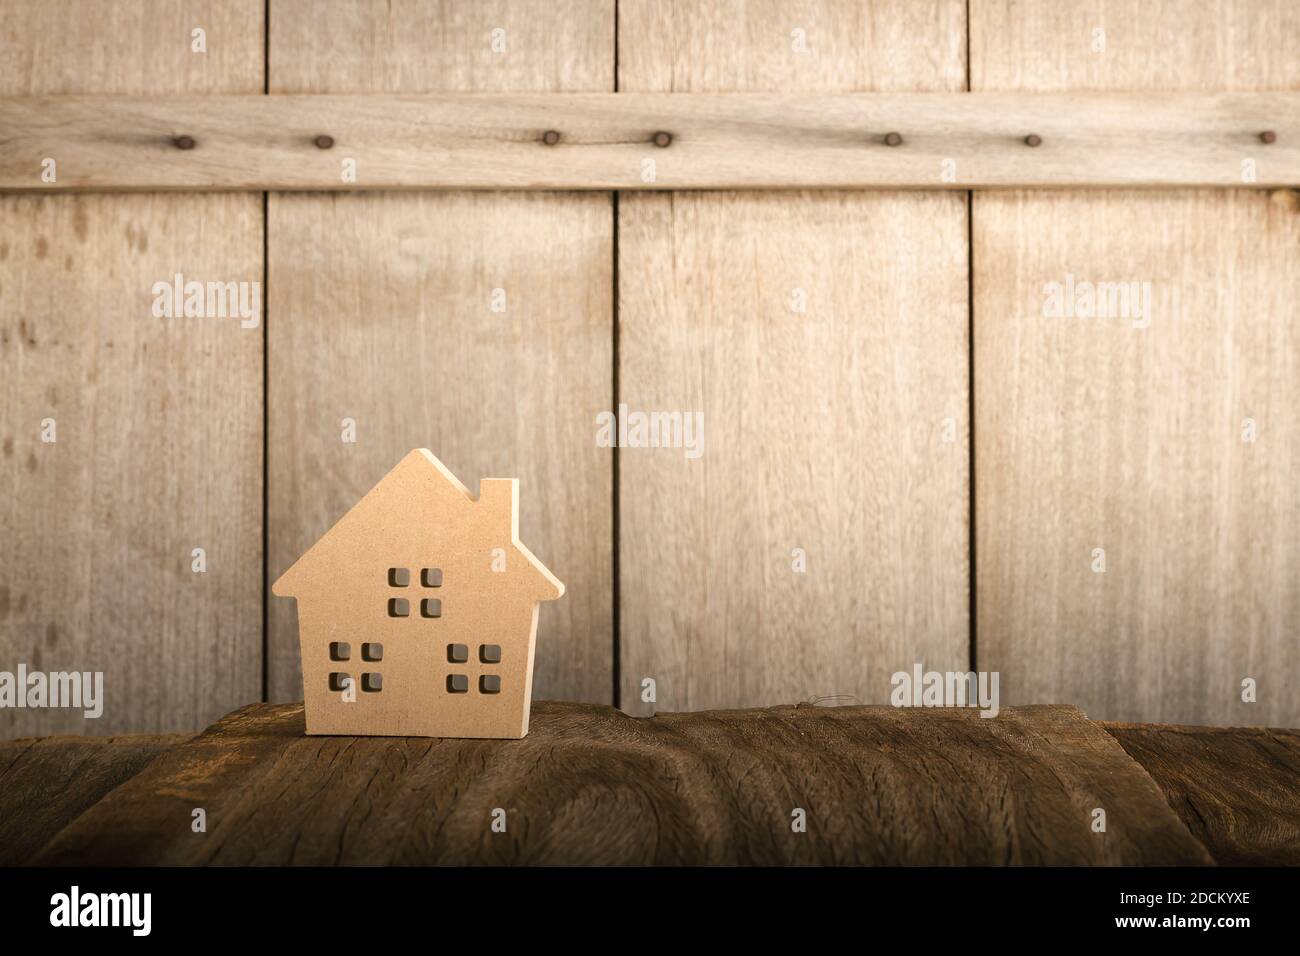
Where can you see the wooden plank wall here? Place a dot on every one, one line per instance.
(382, 312)
(158, 421)
(1097, 433)
(824, 338)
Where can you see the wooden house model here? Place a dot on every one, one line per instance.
(417, 611)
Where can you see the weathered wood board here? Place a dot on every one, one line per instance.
(46, 782)
(477, 325)
(1237, 789)
(822, 540)
(590, 786)
(824, 46)
(601, 141)
(823, 338)
(157, 421)
(1169, 440)
(427, 46)
(135, 48)
(817, 544)
(1103, 45)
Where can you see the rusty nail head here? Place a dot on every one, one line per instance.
(662, 139)
(1033, 139)
(324, 142)
(1268, 136)
(550, 137)
(184, 142)
(893, 139)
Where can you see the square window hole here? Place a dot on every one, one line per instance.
(489, 684)
(399, 607)
(489, 653)
(372, 683)
(340, 651)
(431, 577)
(339, 682)
(372, 652)
(457, 684)
(399, 577)
(431, 607)
(457, 653)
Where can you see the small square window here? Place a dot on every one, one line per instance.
(340, 651)
(431, 607)
(489, 684)
(457, 653)
(372, 652)
(457, 684)
(399, 607)
(399, 577)
(489, 653)
(431, 577)
(339, 682)
(372, 683)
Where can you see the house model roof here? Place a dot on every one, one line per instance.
(421, 499)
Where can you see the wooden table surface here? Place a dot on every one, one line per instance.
(590, 785)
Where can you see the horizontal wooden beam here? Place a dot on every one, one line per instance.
(650, 141)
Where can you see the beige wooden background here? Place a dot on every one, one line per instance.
(843, 430)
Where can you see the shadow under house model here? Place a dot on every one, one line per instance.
(417, 611)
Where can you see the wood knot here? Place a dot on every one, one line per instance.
(1288, 199)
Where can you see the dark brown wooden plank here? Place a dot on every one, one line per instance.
(590, 785)
(1236, 788)
(45, 783)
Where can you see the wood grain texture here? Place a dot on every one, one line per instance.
(1092, 433)
(383, 309)
(130, 47)
(824, 429)
(414, 46)
(1236, 789)
(810, 46)
(592, 786)
(719, 140)
(1155, 45)
(381, 312)
(158, 421)
(47, 783)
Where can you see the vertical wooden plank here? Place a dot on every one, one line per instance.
(792, 46)
(131, 47)
(442, 46)
(158, 421)
(824, 338)
(1115, 434)
(1112, 45)
(477, 325)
